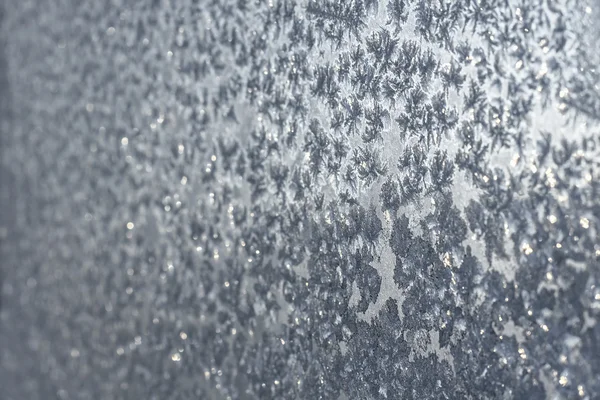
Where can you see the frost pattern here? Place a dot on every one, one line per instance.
(300, 199)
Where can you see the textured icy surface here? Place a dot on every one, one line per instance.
(233, 199)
